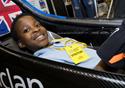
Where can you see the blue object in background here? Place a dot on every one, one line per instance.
(89, 7)
(77, 9)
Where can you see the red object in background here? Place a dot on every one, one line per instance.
(8, 11)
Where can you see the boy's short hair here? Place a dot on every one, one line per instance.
(13, 26)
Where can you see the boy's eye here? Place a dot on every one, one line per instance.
(37, 25)
(26, 30)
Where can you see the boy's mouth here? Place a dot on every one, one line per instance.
(39, 37)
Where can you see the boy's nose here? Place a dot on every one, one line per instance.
(35, 29)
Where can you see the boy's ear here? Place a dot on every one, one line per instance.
(21, 45)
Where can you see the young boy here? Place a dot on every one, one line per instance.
(30, 34)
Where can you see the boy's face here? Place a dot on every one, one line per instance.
(31, 33)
